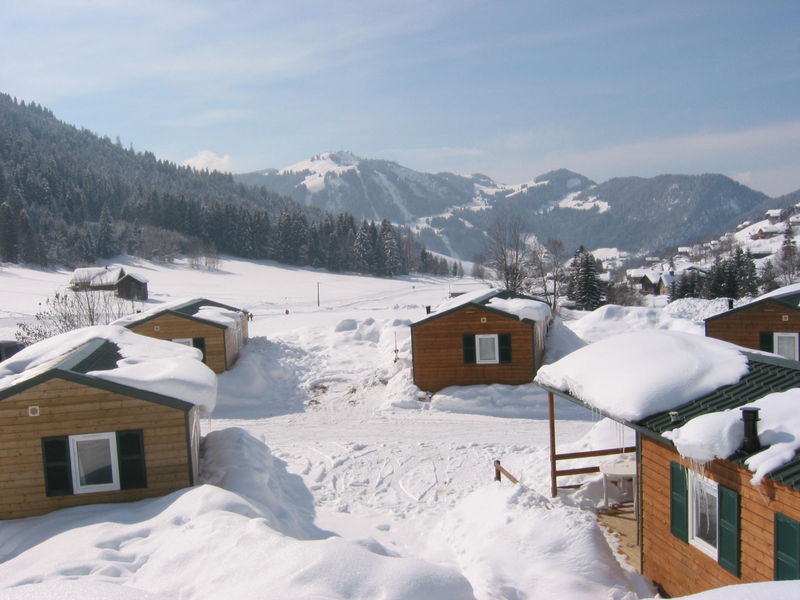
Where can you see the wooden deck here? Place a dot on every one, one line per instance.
(621, 521)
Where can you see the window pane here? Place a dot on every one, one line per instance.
(786, 346)
(94, 462)
(705, 513)
(486, 348)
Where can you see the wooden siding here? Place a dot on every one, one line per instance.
(171, 326)
(681, 569)
(68, 408)
(438, 353)
(743, 327)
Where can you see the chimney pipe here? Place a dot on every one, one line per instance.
(427, 309)
(730, 303)
(751, 442)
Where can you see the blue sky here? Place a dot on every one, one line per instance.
(507, 88)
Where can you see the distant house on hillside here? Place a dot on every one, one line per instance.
(767, 232)
(480, 337)
(99, 415)
(773, 215)
(734, 519)
(126, 285)
(649, 281)
(218, 330)
(770, 323)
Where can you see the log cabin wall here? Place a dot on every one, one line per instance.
(743, 327)
(171, 326)
(70, 408)
(438, 352)
(681, 569)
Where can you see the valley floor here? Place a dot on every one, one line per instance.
(334, 481)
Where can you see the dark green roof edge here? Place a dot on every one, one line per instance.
(94, 351)
(776, 299)
(178, 311)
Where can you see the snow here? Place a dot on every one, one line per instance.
(613, 319)
(97, 275)
(720, 434)
(633, 375)
(147, 364)
(783, 291)
(324, 474)
(523, 308)
(316, 169)
(588, 203)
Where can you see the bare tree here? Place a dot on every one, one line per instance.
(547, 268)
(69, 310)
(507, 251)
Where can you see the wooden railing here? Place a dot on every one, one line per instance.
(555, 472)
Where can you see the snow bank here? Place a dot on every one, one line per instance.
(147, 364)
(768, 590)
(699, 309)
(720, 434)
(69, 589)
(207, 542)
(536, 548)
(633, 375)
(611, 320)
(497, 400)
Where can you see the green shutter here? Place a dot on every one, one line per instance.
(766, 341)
(57, 471)
(200, 344)
(728, 512)
(679, 502)
(504, 347)
(469, 349)
(130, 452)
(787, 548)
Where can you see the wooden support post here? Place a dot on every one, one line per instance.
(498, 470)
(553, 476)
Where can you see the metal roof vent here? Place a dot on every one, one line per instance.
(751, 443)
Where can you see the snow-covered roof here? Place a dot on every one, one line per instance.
(200, 308)
(139, 362)
(97, 275)
(773, 212)
(720, 434)
(635, 375)
(787, 290)
(102, 276)
(516, 305)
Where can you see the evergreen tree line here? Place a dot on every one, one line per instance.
(69, 197)
(734, 277)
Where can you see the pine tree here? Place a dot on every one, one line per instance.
(584, 286)
(106, 241)
(391, 257)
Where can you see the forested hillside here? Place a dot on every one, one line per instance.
(68, 196)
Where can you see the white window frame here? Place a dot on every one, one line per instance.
(779, 334)
(185, 341)
(478, 358)
(695, 480)
(77, 488)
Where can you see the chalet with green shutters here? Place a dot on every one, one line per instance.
(92, 422)
(704, 527)
(770, 323)
(482, 337)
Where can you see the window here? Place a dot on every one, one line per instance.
(97, 462)
(486, 346)
(184, 341)
(93, 460)
(787, 548)
(706, 515)
(703, 513)
(786, 345)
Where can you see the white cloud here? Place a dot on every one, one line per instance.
(206, 159)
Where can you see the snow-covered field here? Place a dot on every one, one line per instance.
(327, 477)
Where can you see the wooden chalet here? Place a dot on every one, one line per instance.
(770, 323)
(78, 428)
(704, 527)
(480, 338)
(219, 331)
(125, 285)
